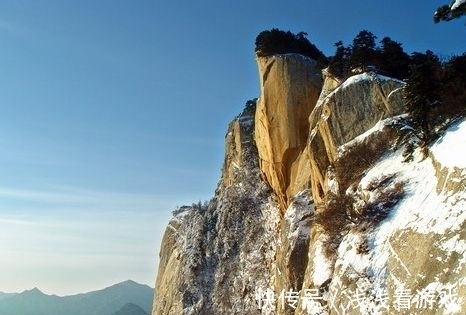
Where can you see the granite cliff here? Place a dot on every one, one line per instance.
(317, 213)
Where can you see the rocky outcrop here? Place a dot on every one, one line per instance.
(316, 212)
(345, 113)
(290, 86)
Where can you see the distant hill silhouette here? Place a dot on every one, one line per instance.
(126, 296)
(130, 309)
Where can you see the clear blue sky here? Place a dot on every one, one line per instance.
(114, 112)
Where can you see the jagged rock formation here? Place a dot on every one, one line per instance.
(316, 213)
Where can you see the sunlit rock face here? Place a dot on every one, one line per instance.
(317, 213)
(290, 86)
(344, 113)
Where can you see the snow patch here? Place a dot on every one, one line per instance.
(445, 149)
(422, 209)
(350, 257)
(355, 79)
(385, 78)
(367, 76)
(322, 266)
(455, 244)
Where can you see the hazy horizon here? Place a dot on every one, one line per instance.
(77, 293)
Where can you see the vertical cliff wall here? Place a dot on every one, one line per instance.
(290, 86)
(316, 212)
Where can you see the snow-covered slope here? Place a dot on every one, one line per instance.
(413, 261)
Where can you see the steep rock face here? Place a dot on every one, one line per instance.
(348, 111)
(290, 86)
(214, 256)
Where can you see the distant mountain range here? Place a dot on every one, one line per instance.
(125, 298)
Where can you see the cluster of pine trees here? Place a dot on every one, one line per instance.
(435, 90)
(277, 41)
(389, 57)
(435, 93)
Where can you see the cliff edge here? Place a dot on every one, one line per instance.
(316, 211)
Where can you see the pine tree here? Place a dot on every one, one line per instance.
(339, 64)
(452, 92)
(364, 49)
(450, 12)
(277, 41)
(393, 59)
(422, 95)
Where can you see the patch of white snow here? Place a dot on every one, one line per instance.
(355, 79)
(322, 265)
(446, 150)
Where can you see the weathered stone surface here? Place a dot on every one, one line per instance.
(350, 110)
(290, 87)
(449, 180)
(169, 278)
(293, 242)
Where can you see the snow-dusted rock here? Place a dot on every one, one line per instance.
(347, 112)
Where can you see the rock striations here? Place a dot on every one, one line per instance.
(290, 87)
(317, 213)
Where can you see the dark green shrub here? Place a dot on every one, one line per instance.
(276, 41)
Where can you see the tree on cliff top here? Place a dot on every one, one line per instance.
(364, 49)
(422, 95)
(389, 57)
(448, 12)
(339, 63)
(393, 60)
(277, 41)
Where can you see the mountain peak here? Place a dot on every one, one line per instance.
(33, 291)
(129, 284)
(321, 174)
